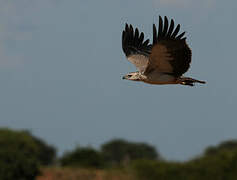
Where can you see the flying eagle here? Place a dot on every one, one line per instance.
(162, 62)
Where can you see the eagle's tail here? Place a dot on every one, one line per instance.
(189, 81)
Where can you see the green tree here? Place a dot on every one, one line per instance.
(230, 145)
(159, 170)
(219, 163)
(120, 151)
(18, 155)
(46, 153)
(82, 157)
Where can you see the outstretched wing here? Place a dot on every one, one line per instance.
(135, 48)
(170, 53)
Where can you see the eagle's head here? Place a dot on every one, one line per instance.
(133, 76)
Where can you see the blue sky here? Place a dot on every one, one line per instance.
(61, 65)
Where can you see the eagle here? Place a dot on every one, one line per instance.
(162, 62)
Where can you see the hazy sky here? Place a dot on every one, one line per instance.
(61, 64)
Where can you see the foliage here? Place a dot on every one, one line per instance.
(46, 153)
(69, 173)
(119, 151)
(219, 166)
(18, 155)
(21, 154)
(222, 165)
(230, 145)
(82, 157)
(153, 170)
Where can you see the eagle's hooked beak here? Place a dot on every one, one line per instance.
(127, 76)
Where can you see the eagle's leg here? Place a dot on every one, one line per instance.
(189, 81)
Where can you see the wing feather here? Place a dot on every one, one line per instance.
(166, 24)
(155, 37)
(176, 31)
(141, 38)
(134, 48)
(146, 44)
(170, 53)
(180, 36)
(171, 28)
(136, 37)
(160, 27)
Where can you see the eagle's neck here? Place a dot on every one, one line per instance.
(142, 77)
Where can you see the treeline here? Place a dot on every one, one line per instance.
(115, 153)
(22, 155)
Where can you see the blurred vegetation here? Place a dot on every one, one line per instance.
(18, 155)
(46, 153)
(117, 152)
(74, 173)
(83, 157)
(219, 163)
(22, 155)
(121, 152)
(230, 145)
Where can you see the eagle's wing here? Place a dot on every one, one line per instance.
(135, 48)
(170, 53)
